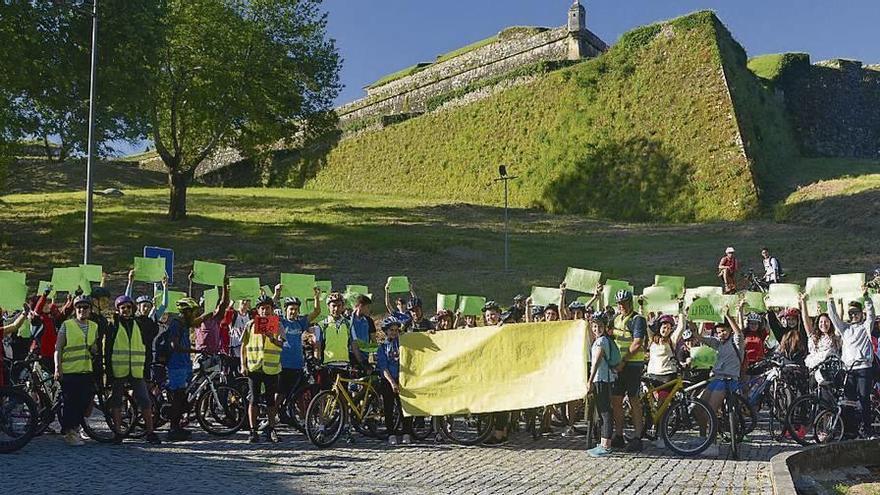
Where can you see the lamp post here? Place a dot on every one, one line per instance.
(503, 177)
(87, 244)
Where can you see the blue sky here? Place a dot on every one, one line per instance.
(377, 37)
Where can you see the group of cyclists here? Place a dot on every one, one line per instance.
(129, 353)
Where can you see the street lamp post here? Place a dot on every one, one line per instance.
(503, 177)
(87, 244)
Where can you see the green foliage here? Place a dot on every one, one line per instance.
(771, 66)
(663, 87)
(465, 49)
(400, 74)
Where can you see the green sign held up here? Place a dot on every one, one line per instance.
(92, 273)
(542, 296)
(297, 285)
(398, 285)
(244, 288)
(12, 294)
(471, 305)
(209, 273)
(702, 309)
(149, 269)
(673, 283)
(582, 280)
(446, 301)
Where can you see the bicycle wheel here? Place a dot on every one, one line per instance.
(295, 407)
(688, 427)
(829, 426)
(221, 410)
(423, 427)
(800, 419)
(746, 415)
(325, 419)
(466, 429)
(734, 424)
(18, 419)
(98, 421)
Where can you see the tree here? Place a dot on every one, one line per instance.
(236, 74)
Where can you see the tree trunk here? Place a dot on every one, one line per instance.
(177, 206)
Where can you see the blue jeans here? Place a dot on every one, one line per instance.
(858, 387)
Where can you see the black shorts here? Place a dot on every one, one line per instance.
(288, 379)
(629, 381)
(138, 386)
(262, 385)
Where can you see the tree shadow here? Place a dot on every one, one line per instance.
(635, 180)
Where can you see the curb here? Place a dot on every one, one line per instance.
(787, 467)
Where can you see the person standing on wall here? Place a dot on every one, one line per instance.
(727, 268)
(772, 270)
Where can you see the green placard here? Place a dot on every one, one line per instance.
(267, 290)
(92, 273)
(582, 280)
(208, 273)
(212, 297)
(755, 302)
(783, 296)
(149, 269)
(357, 289)
(10, 275)
(674, 283)
(26, 331)
(326, 286)
(173, 297)
(702, 309)
(542, 296)
(42, 288)
(309, 306)
(447, 301)
(67, 279)
(471, 305)
(703, 291)
(244, 288)
(659, 300)
(847, 286)
(722, 300)
(12, 294)
(298, 285)
(815, 308)
(398, 284)
(816, 288)
(610, 290)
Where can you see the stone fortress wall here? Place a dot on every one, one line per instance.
(514, 48)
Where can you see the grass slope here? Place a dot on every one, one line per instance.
(362, 239)
(654, 109)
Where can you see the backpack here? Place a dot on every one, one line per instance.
(162, 346)
(613, 356)
(779, 271)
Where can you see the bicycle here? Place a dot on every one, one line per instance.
(802, 412)
(18, 419)
(466, 429)
(685, 423)
(330, 411)
(29, 376)
(770, 386)
(733, 419)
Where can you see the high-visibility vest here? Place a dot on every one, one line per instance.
(624, 338)
(129, 355)
(262, 354)
(336, 340)
(75, 357)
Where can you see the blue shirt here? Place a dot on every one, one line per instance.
(360, 328)
(388, 358)
(292, 350)
(179, 360)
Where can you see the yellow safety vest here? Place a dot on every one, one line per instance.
(262, 354)
(624, 338)
(128, 356)
(76, 357)
(336, 341)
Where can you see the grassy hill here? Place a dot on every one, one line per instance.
(362, 239)
(647, 131)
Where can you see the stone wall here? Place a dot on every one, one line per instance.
(410, 94)
(834, 107)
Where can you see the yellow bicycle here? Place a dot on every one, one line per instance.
(350, 400)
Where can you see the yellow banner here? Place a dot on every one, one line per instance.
(490, 369)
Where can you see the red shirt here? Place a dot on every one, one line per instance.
(225, 323)
(754, 346)
(729, 263)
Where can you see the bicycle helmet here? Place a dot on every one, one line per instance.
(600, 318)
(519, 298)
(144, 299)
(335, 297)
(577, 306)
(389, 322)
(123, 300)
(82, 300)
(292, 301)
(623, 296)
(491, 306)
(687, 334)
(187, 303)
(415, 302)
(537, 310)
(790, 313)
(666, 319)
(100, 292)
(754, 318)
(876, 272)
(264, 299)
(552, 307)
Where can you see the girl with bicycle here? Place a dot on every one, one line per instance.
(822, 340)
(728, 340)
(388, 366)
(662, 365)
(602, 378)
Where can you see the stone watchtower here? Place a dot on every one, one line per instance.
(581, 42)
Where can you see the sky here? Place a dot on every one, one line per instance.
(377, 37)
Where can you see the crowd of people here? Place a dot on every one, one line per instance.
(128, 339)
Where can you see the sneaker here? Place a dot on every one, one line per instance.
(712, 451)
(659, 443)
(254, 437)
(598, 451)
(406, 440)
(82, 434)
(271, 436)
(72, 438)
(634, 445)
(392, 440)
(152, 438)
(618, 442)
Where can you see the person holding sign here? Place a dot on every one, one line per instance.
(77, 343)
(857, 353)
(261, 363)
(822, 339)
(180, 363)
(602, 378)
(338, 343)
(790, 334)
(7, 330)
(417, 321)
(728, 341)
(363, 326)
(294, 326)
(630, 330)
(727, 268)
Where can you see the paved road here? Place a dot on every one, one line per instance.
(230, 465)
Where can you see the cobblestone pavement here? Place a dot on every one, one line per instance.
(231, 465)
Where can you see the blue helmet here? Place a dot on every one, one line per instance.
(390, 322)
(292, 301)
(415, 302)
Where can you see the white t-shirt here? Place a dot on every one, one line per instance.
(236, 330)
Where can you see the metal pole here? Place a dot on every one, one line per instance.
(506, 230)
(87, 245)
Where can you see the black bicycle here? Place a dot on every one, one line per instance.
(18, 419)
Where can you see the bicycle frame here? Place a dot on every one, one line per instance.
(339, 385)
(674, 387)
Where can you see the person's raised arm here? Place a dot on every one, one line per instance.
(129, 286)
(870, 310)
(220, 310)
(317, 311)
(388, 306)
(529, 309)
(563, 308)
(805, 317)
(15, 325)
(163, 306)
(840, 326)
(679, 328)
(103, 280)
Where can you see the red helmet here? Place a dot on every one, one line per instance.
(666, 319)
(790, 313)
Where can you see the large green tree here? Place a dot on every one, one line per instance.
(243, 75)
